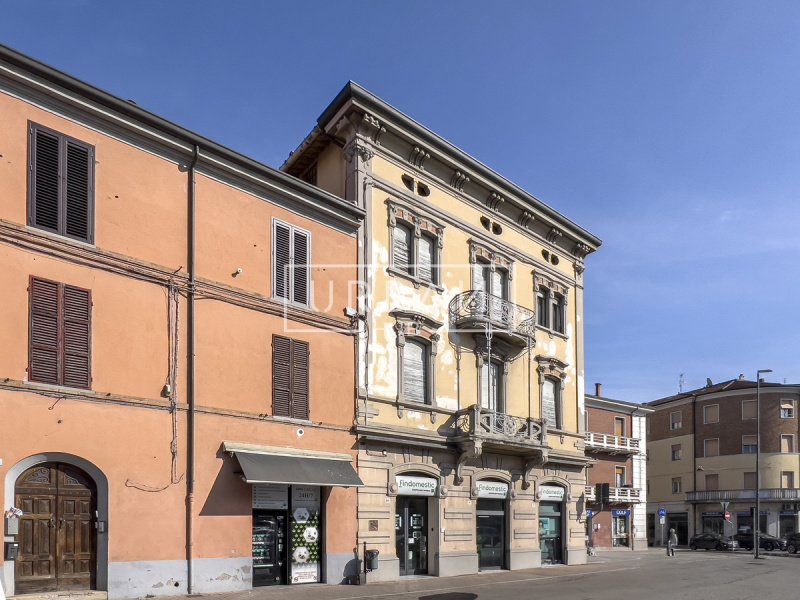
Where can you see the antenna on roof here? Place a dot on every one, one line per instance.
(680, 382)
(708, 382)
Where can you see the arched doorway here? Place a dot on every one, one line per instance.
(57, 535)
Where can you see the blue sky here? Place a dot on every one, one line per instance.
(669, 129)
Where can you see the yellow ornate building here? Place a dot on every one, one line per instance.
(470, 357)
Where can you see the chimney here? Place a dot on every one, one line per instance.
(741, 376)
(598, 389)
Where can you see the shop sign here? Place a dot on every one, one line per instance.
(409, 485)
(621, 512)
(271, 496)
(305, 534)
(492, 489)
(551, 493)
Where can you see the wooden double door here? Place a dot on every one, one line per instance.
(57, 536)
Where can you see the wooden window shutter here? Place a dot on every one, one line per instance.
(45, 186)
(425, 259)
(415, 380)
(300, 267)
(281, 260)
(78, 190)
(281, 376)
(44, 356)
(300, 409)
(76, 337)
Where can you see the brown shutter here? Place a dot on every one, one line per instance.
(44, 182)
(281, 376)
(44, 329)
(300, 268)
(299, 379)
(78, 190)
(77, 337)
(281, 260)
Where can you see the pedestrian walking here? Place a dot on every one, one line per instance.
(672, 541)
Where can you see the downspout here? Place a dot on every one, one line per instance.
(694, 464)
(190, 375)
(367, 290)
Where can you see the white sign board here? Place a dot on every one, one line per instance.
(408, 485)
(270, 496)
(492, 489)
(305, 534)
(551, 493)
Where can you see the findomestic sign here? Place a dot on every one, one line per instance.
(552, 493)
(492, 489)
(408, 485)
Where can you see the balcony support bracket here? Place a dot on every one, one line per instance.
(467, 450)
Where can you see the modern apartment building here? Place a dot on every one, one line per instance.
(176, 369)
(616, 493)
(470, 420)
(703, 448)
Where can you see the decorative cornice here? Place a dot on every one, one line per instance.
(494, 201)
(554, 234)
(525, 218)
(371, 128)
(458, 180)
(418, 156)
(581, 250)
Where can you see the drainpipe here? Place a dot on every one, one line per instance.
(190, 431)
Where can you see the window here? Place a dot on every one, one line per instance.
(542, 307)
(787, 480)
(290, 372)
(711, 447)
(619, 476)
(749, 409)
(558, 309)
(415, 371)
(750, 481)
(491, 381)
(787, 444)
(551, 402)
(711, 413)
(712, 481)
(677, 452)
(676, 485)
(492, 281)
(415, 245)
(619, 426)
(749, 444)
(675, 420)
(787, 409)
(290, 263)
(551, 304)
(60, 334)
(60, 184)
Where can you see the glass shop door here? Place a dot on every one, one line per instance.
(410, 524)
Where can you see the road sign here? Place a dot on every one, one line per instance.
(728, 516)
(589, 513)
(662, 512)
(661, 520)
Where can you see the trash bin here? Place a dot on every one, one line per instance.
(371, 557)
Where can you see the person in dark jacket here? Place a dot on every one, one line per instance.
(672, 541)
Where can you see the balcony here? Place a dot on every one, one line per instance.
(480, 427)
(789, 494)
(474, 311)
(616, 495)
(611, 444)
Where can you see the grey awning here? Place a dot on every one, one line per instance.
(287, 468)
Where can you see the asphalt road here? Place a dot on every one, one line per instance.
(688, 575)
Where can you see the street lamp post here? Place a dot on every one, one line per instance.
(757, 516)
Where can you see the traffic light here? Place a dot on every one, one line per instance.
(602, 492)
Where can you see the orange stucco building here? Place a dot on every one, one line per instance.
(176, 366)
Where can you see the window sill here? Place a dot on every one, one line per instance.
(418, 283)
(54, 235)
(291, 420)
(552, 332)
(291, 303)
(55, 387)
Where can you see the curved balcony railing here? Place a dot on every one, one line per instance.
(475, 309)
(488, 424)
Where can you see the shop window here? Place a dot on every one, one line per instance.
(749, 410)
(60, 184)
(675, 420)
(749, 444)
(677, 451)
(711, 414)
(290, 375)
(676, 485)
(711, 447)
(60, 334)
(787, 444)
(415, 247)
(787, 409)
(291, 249)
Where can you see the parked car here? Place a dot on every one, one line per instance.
(712, 541)
(793, 543)
(765, 541)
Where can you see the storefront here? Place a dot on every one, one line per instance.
(713, 522)
(551, 523)
(411, 522)
(620, 527)
(788, 522)
(744, 521)
(490, 524)
(679, 521)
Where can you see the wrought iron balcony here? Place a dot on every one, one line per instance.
(612, 444)
(484, 427)
(616, 495)
(790, 494)
(475, 310)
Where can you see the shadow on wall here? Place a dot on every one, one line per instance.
(229, 495)
(451, 596)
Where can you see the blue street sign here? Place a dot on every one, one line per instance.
(662, 512)
(589, 513)
(621, 512)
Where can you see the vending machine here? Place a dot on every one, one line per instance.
(270, 550)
